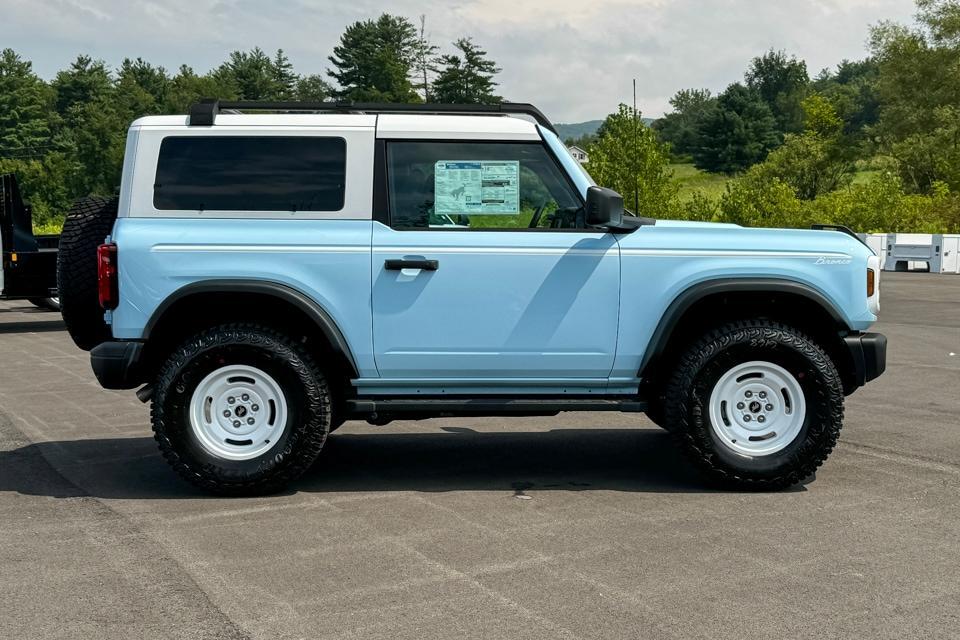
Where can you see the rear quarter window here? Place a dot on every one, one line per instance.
(250, 173)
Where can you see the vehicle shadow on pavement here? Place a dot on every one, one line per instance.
(455, 459)
(32, 326)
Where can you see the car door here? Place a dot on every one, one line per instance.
(483, 270)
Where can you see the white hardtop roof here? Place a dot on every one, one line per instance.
(388, 125)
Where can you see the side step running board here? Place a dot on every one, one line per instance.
(487, 406)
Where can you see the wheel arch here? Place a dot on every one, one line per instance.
(714, 301)
(195, 304)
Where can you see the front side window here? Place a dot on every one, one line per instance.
(250, 173)
(478, 185)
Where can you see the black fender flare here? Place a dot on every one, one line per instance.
(693, 294)
(284, 292)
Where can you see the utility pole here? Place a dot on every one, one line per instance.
(636, 151)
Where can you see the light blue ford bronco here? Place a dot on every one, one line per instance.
(271, 270)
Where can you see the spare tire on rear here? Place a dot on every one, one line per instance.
(88, 223)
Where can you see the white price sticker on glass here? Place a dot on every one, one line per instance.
(490, 187)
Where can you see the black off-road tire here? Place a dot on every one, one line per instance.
(688, 396)
(88, 223)
(305, 389)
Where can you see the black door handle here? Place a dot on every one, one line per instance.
(397, 265)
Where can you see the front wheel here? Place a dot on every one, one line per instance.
(241, 409)
(757, 404)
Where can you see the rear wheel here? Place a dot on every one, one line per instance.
(88, 223)
(756, 404)
(241, 409)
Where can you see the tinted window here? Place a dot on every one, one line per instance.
(250, 174)
(478, 185)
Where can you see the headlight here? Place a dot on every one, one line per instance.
(873, 285)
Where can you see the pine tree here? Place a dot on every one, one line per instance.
(251, 73)
(25, 108)
(374, 59)
(153, 80)
(736, 133)
(284, 79)
(87, 80)
(466, 78)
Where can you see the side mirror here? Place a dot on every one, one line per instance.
(604, 207)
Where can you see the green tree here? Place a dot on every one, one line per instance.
(812, 163)
(85, 81)
(852, 89)
(680, 127)
(284, 79)
(737, 132)
(756, 200)
(313, 88)
(628, 158)
(466, 78)
(25, 109)
(782, 83)
(154, 81)
(187, 88)
(252, 74)
(919, 90)
(373, 61)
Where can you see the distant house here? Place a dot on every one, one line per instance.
(579, 155)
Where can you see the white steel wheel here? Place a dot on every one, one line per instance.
(757, 408)
(238, 412)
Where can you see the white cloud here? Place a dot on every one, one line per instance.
(575, 59)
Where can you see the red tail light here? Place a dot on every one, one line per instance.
(107, 285)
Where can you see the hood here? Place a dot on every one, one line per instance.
(689, 235)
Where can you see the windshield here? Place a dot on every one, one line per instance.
(573, 168)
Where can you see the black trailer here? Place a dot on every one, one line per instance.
(29, 262)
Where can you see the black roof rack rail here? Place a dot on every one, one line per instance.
(204, 113)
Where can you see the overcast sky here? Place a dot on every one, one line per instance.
(573, 58)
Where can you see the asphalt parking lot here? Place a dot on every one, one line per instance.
(580, 526)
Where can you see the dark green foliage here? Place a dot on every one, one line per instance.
(919, 91)
(26, 105)
(154, 81)
(87, 80)
(782, 83)
(255, 76)
(374, 59)
(680, 128)
(466, 78)
(187, 87)
(737, 132)
(852, 90)
(284, 79)
(313, 88)
(66, 138)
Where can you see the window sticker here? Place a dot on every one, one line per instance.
(477, 187)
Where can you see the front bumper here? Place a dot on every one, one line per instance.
(116, 364)
(868, 352)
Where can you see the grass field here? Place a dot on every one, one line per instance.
(713, 185)
(692, 179)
